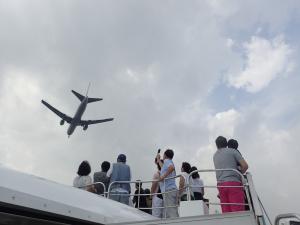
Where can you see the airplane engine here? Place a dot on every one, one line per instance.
(85, 127)
(62, 122)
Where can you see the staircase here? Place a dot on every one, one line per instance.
(241, 218)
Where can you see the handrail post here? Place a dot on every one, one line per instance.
(255, 201)
(229, 169)
(188, 190)
(139, 194)
(109, 188)
(256, 206)
(164, 202)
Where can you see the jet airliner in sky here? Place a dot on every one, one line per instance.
(76, 120)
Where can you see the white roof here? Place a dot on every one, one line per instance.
(34, 192)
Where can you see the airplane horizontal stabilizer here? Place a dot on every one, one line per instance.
(79, 96)
(89, 122)
(94, 100)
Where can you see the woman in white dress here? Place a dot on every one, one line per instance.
(157, 198)
(83, 180)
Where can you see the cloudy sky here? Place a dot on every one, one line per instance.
(173, 74)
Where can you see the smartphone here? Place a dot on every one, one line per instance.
(158, 151)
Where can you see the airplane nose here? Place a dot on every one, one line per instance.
(70, 130)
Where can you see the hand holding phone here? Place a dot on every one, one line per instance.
(158, 155)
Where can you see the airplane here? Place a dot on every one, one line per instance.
(76, 120)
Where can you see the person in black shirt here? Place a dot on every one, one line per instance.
(139, 198)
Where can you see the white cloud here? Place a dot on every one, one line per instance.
(19, 87)
(224, 123)
(229, 43)
(278, 139)
(148, 69)
(265, 60)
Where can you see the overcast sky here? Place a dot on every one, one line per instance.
(173, 74)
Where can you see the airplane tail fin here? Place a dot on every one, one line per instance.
(91, 99)
(87, 91)
(79, 96)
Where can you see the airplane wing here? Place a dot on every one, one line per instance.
(89, 122)
(57, 112)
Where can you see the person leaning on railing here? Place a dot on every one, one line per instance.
(120, 172)
(233, 144)
(168, 186)
(230, 184)
(103, 178)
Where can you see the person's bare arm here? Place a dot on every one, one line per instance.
(89, 185)
(244, 165)
(181, 185)
(158, 160)
(154, 187)
(91, 188)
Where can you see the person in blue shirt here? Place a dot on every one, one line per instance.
(120, 172)
(168, 185)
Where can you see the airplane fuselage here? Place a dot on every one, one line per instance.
(77, 116)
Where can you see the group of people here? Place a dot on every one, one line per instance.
(163, 198)
(166, 204)
(120, 173)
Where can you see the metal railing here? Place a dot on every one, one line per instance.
(164, 192)
(164, 207)
(114, 185)
(286, 216)
(111, 191)
(243, 181)
(256, 205)
(186, 187)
